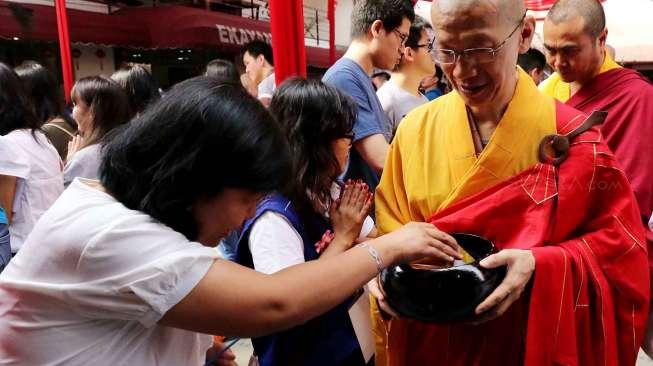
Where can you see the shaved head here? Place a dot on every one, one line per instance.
(510, 11)
(590, 11)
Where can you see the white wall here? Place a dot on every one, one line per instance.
(88, 64)
(344, 9)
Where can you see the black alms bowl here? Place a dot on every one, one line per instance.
(443, 295)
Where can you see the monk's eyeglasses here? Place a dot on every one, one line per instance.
(478, 55)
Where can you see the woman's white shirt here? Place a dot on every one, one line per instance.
(31, 158)
(84, 164)
(91, 283)
(275, 244)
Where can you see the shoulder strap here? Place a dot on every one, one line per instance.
(571, 123)
(49, 124)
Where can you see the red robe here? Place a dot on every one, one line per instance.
(588, 301)
(628, 98)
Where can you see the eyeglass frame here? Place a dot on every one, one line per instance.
(402, 37)
(457, 54)
(429, 46)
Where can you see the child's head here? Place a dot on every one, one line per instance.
(318, 121)
(100, 105)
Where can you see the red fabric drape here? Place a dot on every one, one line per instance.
(287, 23)
(64, 47)
(626, 95)
(331, 14)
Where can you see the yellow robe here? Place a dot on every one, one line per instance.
(432, 163)
(560, 90)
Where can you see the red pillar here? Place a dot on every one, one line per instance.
(331, 14)
(64, 47)
(289, 52)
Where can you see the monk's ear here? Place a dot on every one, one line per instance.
(603, 36)
(376, 28)
(527, 33)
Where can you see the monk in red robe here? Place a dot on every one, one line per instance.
(588, 79)
(566, 218)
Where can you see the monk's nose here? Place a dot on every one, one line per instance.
(463, 69)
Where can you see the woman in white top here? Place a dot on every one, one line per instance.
(30, 167)
(100, 105)
(131, 276)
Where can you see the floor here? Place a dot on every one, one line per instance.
(243, 350)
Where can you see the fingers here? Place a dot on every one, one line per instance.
(367, 204)
(520, 270)
(444, 238)
(375, 289)
(439, 251)
(497, 296)
(357, 198)
(499, 309)
(444, 243)
(228, 355)
(346, 194)
(496, 260)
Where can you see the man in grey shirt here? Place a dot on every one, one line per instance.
(401, 94)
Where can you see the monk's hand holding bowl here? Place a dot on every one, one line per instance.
(520, 266)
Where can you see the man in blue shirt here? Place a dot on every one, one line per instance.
(379, 31)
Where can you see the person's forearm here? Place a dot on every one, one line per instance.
(337, 246)
(373, 149)
(232, 300)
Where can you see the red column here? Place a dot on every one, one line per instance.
(331, 14)
(64, 47)
(287, 23)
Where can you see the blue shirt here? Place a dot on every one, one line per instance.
(433, 93)
(3, 217)
(350, 78)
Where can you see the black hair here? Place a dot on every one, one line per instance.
(107, 102)
(532, 59)
(438, 71)
(222, 69)
(141, 88)
(390, 12)
(590, 10)
(15, 108)
(257, 47)
(312, 116)
(202, 137)
(416, 28)
(43, 91)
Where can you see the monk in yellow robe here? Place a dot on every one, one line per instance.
(487, 133)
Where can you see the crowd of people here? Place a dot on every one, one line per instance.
(135, 224)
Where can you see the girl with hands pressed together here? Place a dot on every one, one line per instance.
(315, 218)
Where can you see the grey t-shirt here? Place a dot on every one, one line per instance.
(350, 78)
(397, 102)
(84, 164)
(267, 87)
